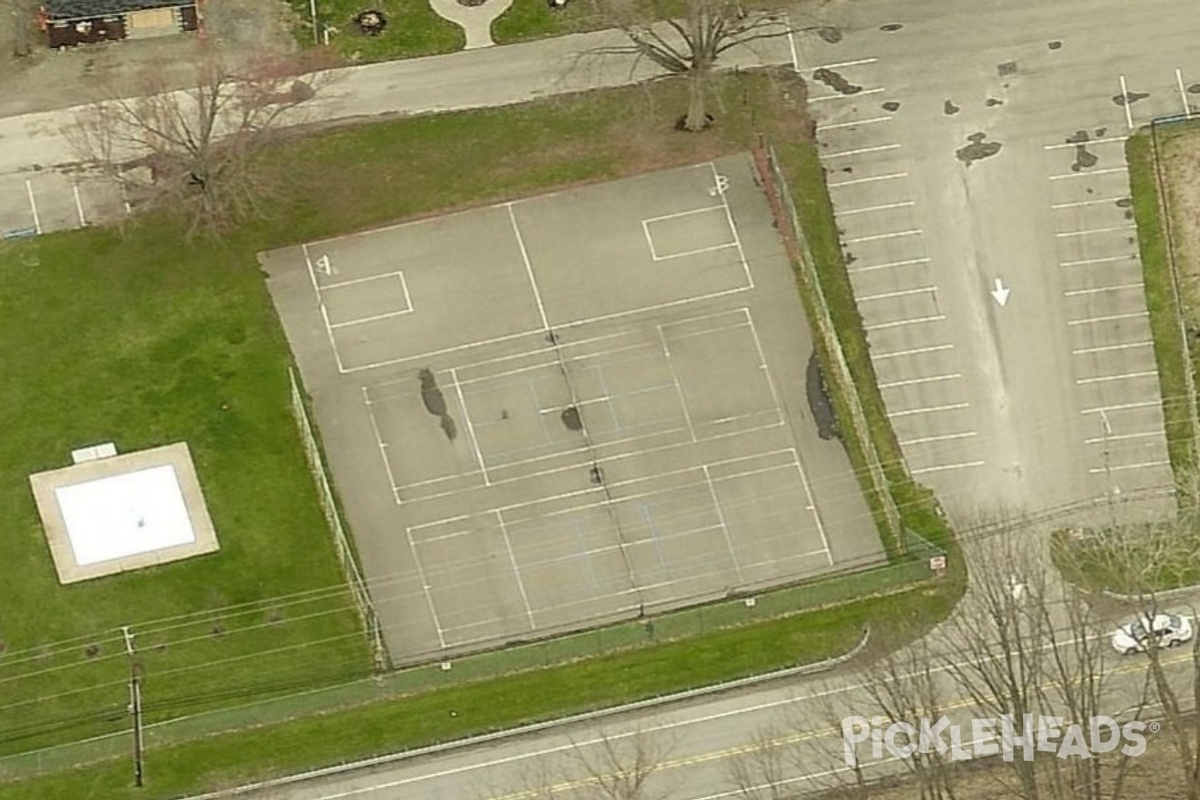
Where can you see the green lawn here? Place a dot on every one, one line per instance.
(143, 340)
(1162, 304)
(143, 343)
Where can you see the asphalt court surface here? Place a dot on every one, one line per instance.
(570, 409)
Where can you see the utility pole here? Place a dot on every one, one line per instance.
(135, 708)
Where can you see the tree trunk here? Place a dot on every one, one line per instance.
(697, 116)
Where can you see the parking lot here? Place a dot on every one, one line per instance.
(571, 409)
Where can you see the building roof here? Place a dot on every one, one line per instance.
(87, 9)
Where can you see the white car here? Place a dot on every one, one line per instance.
(1167, 630)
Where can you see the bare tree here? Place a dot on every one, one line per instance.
(759, 771)
(690, 46)
(619, 766)
(197, 149)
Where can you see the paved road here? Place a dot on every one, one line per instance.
(946, 140)
(39, 188)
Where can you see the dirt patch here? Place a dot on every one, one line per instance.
(1181, 171)
(47, 79)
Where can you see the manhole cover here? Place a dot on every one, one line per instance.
(1007, 68)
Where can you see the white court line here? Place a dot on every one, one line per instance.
(903, 293)
(512, 559)
(657, 257)
(890, 264)
(372, 318)
(914, 351)
(1087, 173)
(425, 587)
(1187, 109)
(916, 381)
(1106, 348)
(537, 295)
(946, 467)
(853, 123)
(812, 506)
(566, 325)
(839, 96)
(1118, 288)
(1122, 377)
(353, 281)
(462, 402)
(337, 355)
(677, 214)
(945, 438)
(1058, 206)
(712, 492)
(1118, 437)
(890, 176)
(737, 240)
(868, 209)
(1104, 260)
(1095, 320)
(1122, 467)
(312, 275)
(1095, 230)
(762, 362)
(859, 151)
(856, 63)
(1121, 407)
(792, 43)
(1125, 104)
(79, 205)
(379, 441)
(1066, 145)
(879, 236)
(678, 388)
(913, 321)
(927, 410)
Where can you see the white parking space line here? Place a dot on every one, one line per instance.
(1081, 203)
(1100, 289)
(1119, 436)
(861, 150)
(1122, 377)
(1122, 467)
(915, 351)
(927, 410)
(1093, 231)
(946, 438)
(891, 176)
(1121, 407)
(1097, 320)
(1088, 173)
(853, 123)
(902, 293)
(899, 323)
(1187, 109)
(915, 381)
(1109, 347)
(1105, 260)
(856, 63)
(890, 264)
(1125, 97)
(945, 467)
(868, 209)
(1066, 145)
(838, 96)
(879, 236)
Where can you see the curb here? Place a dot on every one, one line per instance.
(486, 738)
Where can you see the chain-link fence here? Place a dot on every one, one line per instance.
(345, 552)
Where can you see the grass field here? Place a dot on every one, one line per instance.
(123, 340)
(187, 331)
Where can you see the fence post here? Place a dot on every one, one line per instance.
(778, 195)
(358, 586)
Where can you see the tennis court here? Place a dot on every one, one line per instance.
(570, 409)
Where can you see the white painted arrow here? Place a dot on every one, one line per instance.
(1000, 294)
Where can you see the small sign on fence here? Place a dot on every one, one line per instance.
(938, 564)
